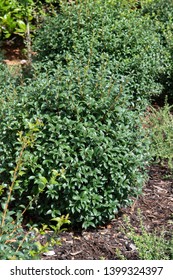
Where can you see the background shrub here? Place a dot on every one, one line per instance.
(126, 36)
(14, 15)
(161, 14)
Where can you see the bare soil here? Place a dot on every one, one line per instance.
(13, 51)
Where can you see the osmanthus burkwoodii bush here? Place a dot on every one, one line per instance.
(91, 135)
(82, 90)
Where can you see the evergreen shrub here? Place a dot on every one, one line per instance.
(89, 158)
(91, 135)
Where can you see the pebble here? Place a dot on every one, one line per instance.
(49, 253)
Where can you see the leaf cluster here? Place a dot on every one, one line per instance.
(15, 13)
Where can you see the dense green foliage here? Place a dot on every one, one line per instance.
(93, 29)
(15, 241)
(91, 132)
(161, 14)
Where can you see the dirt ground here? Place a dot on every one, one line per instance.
(156, 206)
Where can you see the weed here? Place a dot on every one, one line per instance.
(150, 246)
(161, 134)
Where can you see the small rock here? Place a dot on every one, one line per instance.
(49, 253)
(23, 61)
(130, 246)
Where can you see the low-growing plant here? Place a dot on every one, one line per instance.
(51, 237)
(160, 124)
(149, 245)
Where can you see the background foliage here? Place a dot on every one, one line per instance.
(161, 14)
(126, 37)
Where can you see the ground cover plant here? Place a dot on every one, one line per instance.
(149, 245)
(98, 65)
(160, 123)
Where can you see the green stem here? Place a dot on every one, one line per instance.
(15, 175)
(28, 42)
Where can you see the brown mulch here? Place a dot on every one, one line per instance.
(156, 207)
(13, 48)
